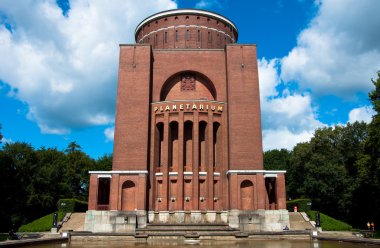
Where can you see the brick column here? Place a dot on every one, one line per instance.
(196, 162)
(280, 191)
(115, 203)
(165, 164)
(180, 162)
(93, 192)
(234, 191)
(210, 162)
(260, 190)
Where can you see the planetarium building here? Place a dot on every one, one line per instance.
(188, 143)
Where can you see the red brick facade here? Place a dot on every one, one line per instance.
(188, 124)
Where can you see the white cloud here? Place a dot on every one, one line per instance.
(109, 133)
(65, 68)
(6, 141)
(287, 118)
(361, 114)
(284, 138)
(207, 4)
(339, 52)
(268, 77)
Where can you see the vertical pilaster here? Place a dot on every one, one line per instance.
(180, 162)
(196, 162)
(210, 162)
(165, 164)
(152, 169)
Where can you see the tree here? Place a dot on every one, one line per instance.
(324, 169)
(367, 194)
(276, 159)
(73, 147)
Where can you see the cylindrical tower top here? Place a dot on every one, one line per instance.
(186, 28)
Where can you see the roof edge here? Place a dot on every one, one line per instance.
(186, 11)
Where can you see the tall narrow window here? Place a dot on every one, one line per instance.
(187, 35)
(199, 36)
(166, 37)
(209, 36)
(176, 35)
(156, 39)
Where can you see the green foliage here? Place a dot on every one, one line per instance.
(71, 205)
(330, 224)
(325, 170)
(303, 205)
(42, 224)
(32, 181)
(276, 159)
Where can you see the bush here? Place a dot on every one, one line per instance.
(72, 205)
(42, 224)
(330, 224)
(303, 205)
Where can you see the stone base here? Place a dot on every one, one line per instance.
(259, 220)
(114, 221)
(188, 217)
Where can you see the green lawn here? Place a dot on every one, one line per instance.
(42, 224)
(330, 224)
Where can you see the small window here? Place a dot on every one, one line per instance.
(198, 18)
(176, 18)
(187, 17)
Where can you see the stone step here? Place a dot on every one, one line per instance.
(297, 222)
(187, 233)
(74, 223)
(188, 227)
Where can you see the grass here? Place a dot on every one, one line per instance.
(330, 224)
(42, 224)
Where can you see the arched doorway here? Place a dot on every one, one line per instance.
(128, 200)
(246, 195)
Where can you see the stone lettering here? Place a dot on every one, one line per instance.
(174, 107)
(194, 107)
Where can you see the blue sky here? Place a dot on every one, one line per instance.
(59, 62)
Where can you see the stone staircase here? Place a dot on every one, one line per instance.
(75, 222)
(187, 230)
(298, 221)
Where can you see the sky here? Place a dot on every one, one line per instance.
(59, 65)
